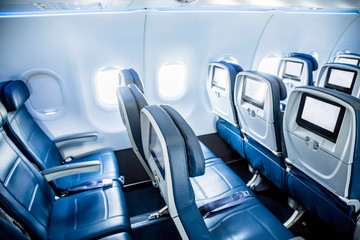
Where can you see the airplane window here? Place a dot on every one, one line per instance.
(172, 79)
(46, 96)
(106, 83)
(269, 64)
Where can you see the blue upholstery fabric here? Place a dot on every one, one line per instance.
(324, 204)
(118, 236)
(217, 182)
(16, 95)
(250, 220)
(108, 169)
(231, 135)
(195, 156)
(8, 231)
(266, 162)
(27, 197)
(38, 147)
(94, 213)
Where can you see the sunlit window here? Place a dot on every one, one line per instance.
(269, 64)
(106, 84)
(172, 80)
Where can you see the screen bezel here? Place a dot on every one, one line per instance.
(155, 157)
(331, 136)
(357, 64)
(213, 76)
(250, 99)
(293, 77)
(339, 88)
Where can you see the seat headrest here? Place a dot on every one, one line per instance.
(195, 156)
(15, 94)
(129, 76)
(138, 95)
(280, 83)
(309, 57)
(3, 115)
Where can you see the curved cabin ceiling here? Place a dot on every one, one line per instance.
(16, 6)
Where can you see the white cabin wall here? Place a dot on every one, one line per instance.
(197, 38)
(75, 46)
(307, 32)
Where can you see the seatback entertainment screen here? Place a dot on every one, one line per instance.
(320, 116)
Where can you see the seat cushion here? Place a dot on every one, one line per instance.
(90, 214)
(250, 220)
(108, 169)
(217, 182)
(118, 236)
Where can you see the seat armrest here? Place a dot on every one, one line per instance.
(76, 138)
(70, 169)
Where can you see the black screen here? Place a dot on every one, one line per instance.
(320, 116)
(254, 91)
(219, 77)
(340, 79)
(293, 69)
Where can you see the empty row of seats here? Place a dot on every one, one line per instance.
(193, 179)
(300, 150)
(47, 196)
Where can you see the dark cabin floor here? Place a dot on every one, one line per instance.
(143, 199)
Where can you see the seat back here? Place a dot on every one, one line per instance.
(128, 76)
(168, 155)
(24, 130)
(321, 132)
(297, 70)
(24, 193)
(131, 101)
(220, 87)
(257, 100)
(340, 77)
(347, 58)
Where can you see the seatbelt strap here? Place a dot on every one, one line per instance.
(225, 202)
(90, 185)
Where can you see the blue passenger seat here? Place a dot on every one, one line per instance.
(297, 70)
(176, 159)
(128, 76)
(27, 197)
(220, 86)
(340, 77)
(257, 100)
(322, 134)
(131, 101)
(39, 148)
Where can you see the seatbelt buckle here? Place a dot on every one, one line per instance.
(107, 182)
(241, 194)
